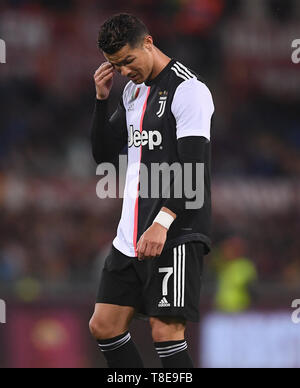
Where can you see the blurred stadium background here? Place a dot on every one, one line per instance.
(55, 233)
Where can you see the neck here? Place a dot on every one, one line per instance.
(160, 62)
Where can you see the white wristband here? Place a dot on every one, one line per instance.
(164, 219)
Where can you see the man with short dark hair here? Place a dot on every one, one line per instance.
(154, 268)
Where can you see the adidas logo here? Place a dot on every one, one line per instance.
(164, 303)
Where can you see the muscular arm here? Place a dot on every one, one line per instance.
(192, 108)
(108, 135)
(191, 150)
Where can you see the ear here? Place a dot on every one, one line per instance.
(148, 42)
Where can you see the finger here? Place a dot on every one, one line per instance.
(140, 256)
(140, 241)
(148, 250)
(138, 250)
(104, 66)
(103, 74)
(160, 250)
(103, 69)
(139, 244)
(154, 251)
(103, 80)
(142, 251)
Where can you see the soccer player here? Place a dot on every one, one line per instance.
(154, 268)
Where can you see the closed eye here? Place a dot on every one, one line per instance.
(125, 63)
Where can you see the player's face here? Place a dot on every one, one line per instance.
(134, 63)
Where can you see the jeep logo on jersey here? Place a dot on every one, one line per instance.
(137, 138)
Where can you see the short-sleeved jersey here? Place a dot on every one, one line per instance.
(174, 105)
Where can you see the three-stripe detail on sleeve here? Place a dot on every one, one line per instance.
(182, 71)
(179, 275)
(168, 351)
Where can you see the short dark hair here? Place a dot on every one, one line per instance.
(119, 30)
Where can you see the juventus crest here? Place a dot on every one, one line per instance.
(162, 103)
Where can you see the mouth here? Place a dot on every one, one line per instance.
(134, 78)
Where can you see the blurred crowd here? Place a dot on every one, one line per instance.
(51, 245)
(241, 48)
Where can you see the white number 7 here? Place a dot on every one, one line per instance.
(169, 272)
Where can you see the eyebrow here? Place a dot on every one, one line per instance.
(124, 60)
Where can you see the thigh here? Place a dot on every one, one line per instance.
(175, 323)
(175, 283)
(119, 284)
(167, 328)
(114, 315)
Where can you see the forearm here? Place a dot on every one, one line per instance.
(108, 135)
(100, 131)
(105, 146)
(191, 152)
(165, 209)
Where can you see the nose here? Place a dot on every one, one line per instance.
(124, 71)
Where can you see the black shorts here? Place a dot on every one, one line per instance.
(168, 285)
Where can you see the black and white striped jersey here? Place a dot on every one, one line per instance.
(151, 119)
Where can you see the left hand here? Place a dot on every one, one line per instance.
(152, 242)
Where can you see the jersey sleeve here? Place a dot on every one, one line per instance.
(108, 135)
(191, 150)
(192, 107)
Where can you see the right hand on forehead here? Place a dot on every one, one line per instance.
(104, 80)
